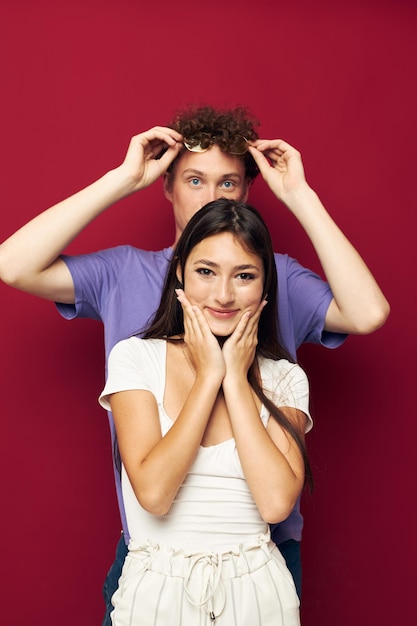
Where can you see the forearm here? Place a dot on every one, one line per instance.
(34, 248)
(359, 305)
(273, 481)
(158, 476)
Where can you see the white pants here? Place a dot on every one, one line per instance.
(250, 586)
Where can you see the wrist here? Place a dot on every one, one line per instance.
(299, 196)
(207, 382)
(122, 183)
(235, 380)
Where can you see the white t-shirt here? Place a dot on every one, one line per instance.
(213, 509)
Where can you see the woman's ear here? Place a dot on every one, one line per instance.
(178, 274)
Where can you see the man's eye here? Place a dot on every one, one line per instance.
(228, 184)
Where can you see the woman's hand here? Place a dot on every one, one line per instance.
(239, 349)
(205, 352)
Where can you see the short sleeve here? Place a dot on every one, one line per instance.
(304, 298)
(286, 384)
(127, 370)
(93, 276)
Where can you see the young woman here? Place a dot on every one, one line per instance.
(210, 415)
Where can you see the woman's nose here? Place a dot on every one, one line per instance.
(225, 293)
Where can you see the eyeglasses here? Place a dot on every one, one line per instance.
(203, 141)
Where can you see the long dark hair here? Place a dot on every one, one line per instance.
(248, 227)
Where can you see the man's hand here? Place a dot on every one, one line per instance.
(281, 167)
(141, 165)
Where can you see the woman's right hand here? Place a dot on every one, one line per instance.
(205, 352)
(141, 167)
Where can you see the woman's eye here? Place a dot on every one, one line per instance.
(204, 271)
(195, 182)
(246, 277)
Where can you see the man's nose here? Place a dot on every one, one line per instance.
(212, 193)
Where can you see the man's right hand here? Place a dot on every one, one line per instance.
(141, 166)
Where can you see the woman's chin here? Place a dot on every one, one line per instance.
(222, 331)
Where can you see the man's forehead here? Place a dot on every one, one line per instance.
(211, 160)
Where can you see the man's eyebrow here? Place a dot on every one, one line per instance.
(195, 172)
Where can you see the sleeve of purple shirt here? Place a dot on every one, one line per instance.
(303, 300)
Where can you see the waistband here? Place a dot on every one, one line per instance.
(203, 572)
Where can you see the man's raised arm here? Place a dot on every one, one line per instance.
(29, 259)
(358, 304)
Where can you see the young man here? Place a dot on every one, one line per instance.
(203, 155)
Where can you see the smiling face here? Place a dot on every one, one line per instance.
(224, 280)
(199, 178)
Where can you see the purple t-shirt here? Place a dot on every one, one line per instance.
(122, 288)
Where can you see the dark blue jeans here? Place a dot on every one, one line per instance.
(290, 551)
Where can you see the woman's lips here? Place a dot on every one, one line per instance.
(222, 314)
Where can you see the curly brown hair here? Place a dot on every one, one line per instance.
(223, 125)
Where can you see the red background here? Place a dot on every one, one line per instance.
(338, 81)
